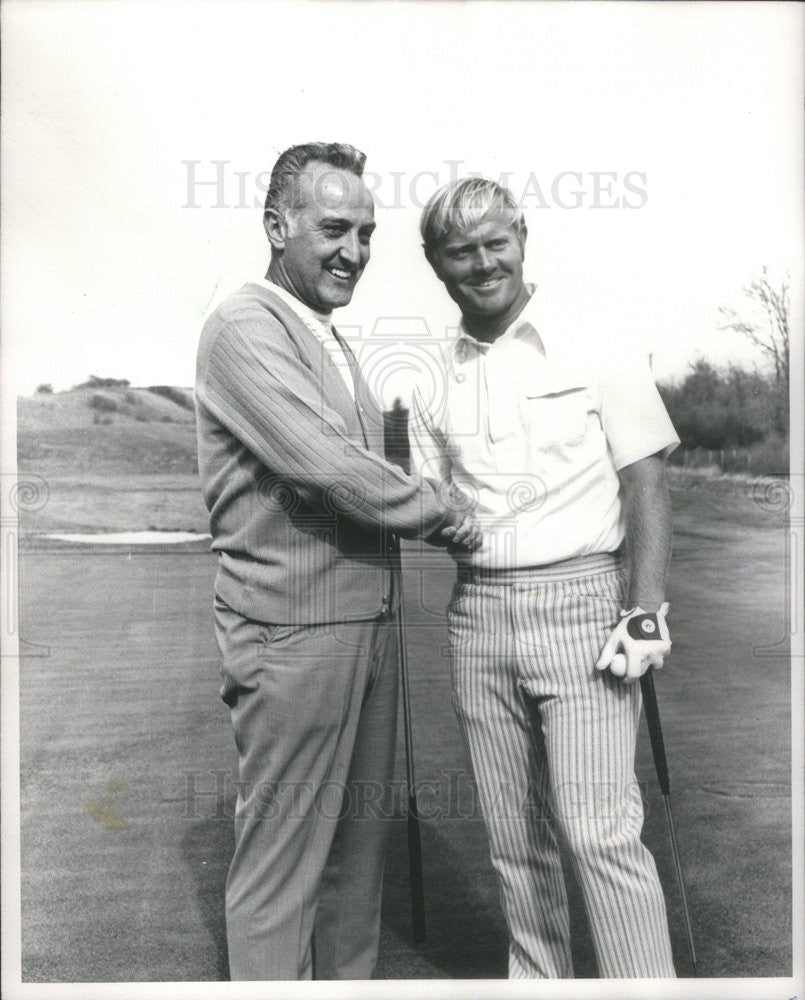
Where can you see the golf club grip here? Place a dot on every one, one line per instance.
(415, 871)
(655, 730)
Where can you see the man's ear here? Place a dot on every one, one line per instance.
(433, 257)
(522, 235)
(276, 228)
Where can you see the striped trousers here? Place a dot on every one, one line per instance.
(551, 741)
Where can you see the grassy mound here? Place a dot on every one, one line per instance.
(108, 457)
(110, 430)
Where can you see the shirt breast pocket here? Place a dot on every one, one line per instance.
(558, 416)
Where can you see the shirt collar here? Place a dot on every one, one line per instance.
(523, 327)
(303, 311)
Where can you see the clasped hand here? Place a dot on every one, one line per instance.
(465, 536)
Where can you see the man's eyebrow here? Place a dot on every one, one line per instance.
(338, 220)
(458, 245)
(469, 244)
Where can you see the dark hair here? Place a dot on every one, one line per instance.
(292, 162)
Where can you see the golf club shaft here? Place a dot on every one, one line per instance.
(655, 730)
(416, 878)
(661, 766)
(677, 861)
(406, 695)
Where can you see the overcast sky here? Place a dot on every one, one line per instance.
(656, 149)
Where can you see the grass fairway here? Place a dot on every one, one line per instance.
(128, 763)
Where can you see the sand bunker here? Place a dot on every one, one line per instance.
(131, 537)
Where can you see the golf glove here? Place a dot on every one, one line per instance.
(640, 640)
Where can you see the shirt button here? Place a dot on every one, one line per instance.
(460, 377)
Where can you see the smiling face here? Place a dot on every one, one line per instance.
(482, 270)
(320, 245)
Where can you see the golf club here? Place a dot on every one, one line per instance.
(414, 836)
(661, 767)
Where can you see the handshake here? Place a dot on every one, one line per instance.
(465, 536)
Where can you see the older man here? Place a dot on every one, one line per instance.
(561, 448)
(302, 511)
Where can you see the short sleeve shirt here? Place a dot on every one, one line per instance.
(534, 429)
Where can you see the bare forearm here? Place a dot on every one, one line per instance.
(648, 531)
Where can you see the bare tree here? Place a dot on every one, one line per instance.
(771, 332)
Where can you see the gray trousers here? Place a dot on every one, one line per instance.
(314, 713)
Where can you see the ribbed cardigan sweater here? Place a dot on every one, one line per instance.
(300, 508)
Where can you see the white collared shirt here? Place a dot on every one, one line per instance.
(320, 325)
(534, 428)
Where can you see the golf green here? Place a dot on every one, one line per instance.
(128, 768)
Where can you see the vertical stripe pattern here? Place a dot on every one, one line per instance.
(551, 741)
